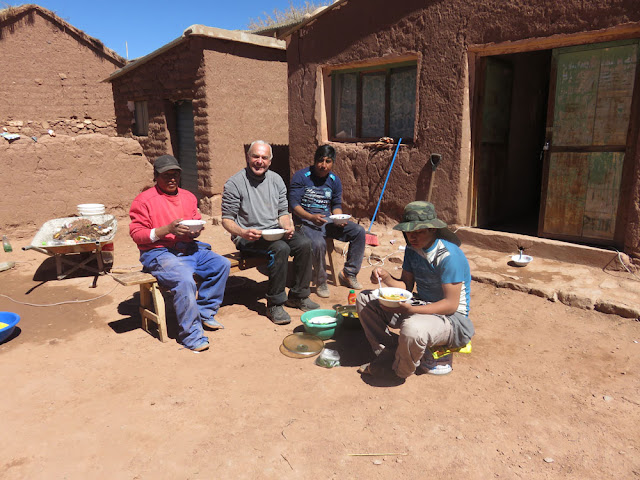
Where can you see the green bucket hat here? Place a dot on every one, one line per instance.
(421, 215)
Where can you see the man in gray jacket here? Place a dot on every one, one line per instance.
(255, 199)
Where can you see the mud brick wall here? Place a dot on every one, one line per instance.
(51, 78)
(246, 88)
(438, 35)
(161, 81)
(49, 178)
(239, 94)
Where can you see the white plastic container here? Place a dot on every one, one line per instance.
(86, 209)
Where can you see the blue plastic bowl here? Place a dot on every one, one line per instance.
(11, 319)
(323, 330)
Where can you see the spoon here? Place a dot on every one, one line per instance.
(379, 287)
(519, 259)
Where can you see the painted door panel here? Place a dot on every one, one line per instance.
(587, 129)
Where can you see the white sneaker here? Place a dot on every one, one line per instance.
(442, 366)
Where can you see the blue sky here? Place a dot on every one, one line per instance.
(148, 24)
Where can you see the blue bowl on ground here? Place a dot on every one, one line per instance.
(8, 322)
(323, 330)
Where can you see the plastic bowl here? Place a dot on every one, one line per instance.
(340, 219)
(273, 234)
(521, 260)
(386, 291)
(11, 320)
(194, 225)
(322, 330)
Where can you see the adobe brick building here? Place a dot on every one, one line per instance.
(204, 98)
(534, 107)
(51, 75)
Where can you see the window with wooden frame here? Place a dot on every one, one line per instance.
(140, 125)
(373, 102)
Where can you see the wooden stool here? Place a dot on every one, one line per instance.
(151, 300)
(152, 306)
(332, 255)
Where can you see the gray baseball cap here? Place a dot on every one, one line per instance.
(166, 162)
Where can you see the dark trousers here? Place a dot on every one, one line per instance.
(278, 253)
(351, 232)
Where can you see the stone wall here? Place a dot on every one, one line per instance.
(47, 179)
(51, 77)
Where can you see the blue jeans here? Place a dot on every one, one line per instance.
(351, 232)
(174, 268)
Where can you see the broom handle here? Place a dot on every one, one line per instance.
(385, 185)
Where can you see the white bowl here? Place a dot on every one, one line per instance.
(194, 225)
(386, 291)
(340, 219)
(273, 234)
(521, 260)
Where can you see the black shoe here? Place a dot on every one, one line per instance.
(304, 304)
(278, 315)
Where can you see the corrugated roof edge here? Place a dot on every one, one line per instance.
(203, 31)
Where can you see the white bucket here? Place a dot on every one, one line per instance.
(86, 209)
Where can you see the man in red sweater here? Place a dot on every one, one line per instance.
(169, 251)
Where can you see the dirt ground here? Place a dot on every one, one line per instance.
(549, 391)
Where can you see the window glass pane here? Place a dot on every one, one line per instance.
(402, 103)
(373, 104)
(344, 105)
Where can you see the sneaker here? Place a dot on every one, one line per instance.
(442, 366)
(349, 281)
(213, 324)
(304, 304)
(278, 315)
(322, 290)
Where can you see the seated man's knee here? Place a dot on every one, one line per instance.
(319, 244)
(280, 249)
(410, 331)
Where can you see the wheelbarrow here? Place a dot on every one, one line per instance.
(69, 252)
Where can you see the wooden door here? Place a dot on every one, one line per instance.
(187, 147)
(491, 170)
(587, 129)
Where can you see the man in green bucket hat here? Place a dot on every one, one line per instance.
(437, 316)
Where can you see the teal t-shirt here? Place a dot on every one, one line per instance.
(443, 262)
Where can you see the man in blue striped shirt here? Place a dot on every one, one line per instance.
(439, 314)
(315, 193)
